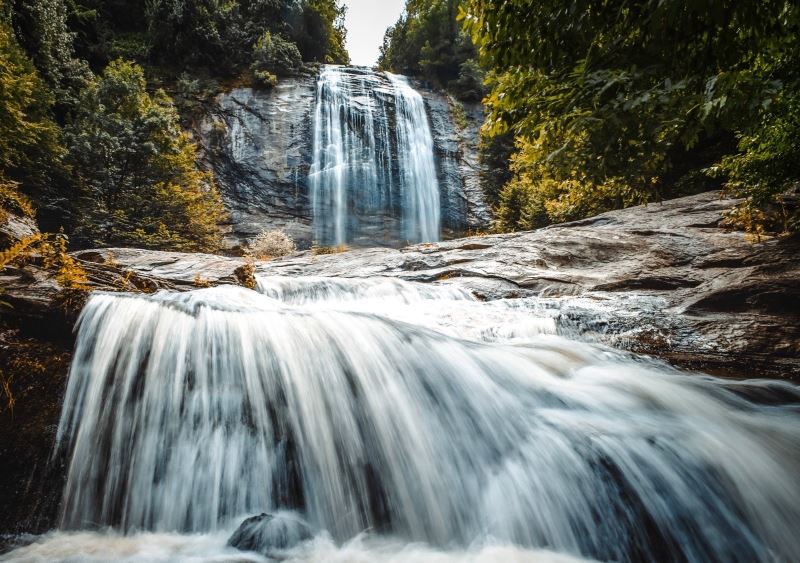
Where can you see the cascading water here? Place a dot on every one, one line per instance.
(373, 177)
(418, 183)
(421, 422)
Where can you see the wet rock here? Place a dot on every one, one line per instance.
(32, 478)
(455, 142)
(661, 279)
(259, 142)
(270, 534)
(14, 228)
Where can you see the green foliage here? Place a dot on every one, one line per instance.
(428, 42)
(29, 139)
(274, 56)
(766, 171)
(495, 153)
(41, 28)
(195, 32)
(108, 29)
(12, 200)
(622, 102)
(136, 170)
(225, 34)
(319, 31)
(469, 85)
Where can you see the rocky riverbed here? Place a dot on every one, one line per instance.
(663, 280)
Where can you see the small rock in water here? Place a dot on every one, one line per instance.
(268, 533)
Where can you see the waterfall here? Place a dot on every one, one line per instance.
(417, 172)
(373, 177)
(418, 414)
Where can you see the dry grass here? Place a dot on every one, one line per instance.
(246, 273)
(200, 281)
(271, 244)
(321, 249)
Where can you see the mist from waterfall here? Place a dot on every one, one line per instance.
(373, 178)
(389, 413)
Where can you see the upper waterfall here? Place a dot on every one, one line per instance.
(373, 177)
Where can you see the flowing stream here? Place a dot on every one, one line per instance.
(406, 422)
(373, 177)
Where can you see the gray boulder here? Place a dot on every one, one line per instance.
(269, 534)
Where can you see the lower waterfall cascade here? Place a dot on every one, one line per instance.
(373, 178)
(406, 422)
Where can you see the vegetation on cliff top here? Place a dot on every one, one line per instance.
(596, 106)
(429, 43)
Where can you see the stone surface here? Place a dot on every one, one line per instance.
(14, 228)
(455, 143)
(259, 144)
(662, 279)
(269, 534)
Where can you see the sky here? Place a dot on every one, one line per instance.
(366, 22)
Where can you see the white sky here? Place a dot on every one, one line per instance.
(366, 22)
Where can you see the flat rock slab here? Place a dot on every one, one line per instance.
(662, 279)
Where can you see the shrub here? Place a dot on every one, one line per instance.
(13, 201)
(617, 103)
(271, 244)
(246, 273)
(469, 84)
(274, 55)
(321, 249)
(29, 138)
(136, 170)
(765, 171)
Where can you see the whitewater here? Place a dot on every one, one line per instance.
(402, 421)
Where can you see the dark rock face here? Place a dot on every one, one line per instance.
(455, 141)
(31, 479)
(270, 533)
(259, 144)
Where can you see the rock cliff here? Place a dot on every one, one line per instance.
(259, 144)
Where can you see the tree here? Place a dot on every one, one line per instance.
(196, 32)
(109, 29)
(319, 32)
(274, 56)
(136, 169)
(29, 139)
(626, 101)
(428, 42)
(41, 27)
(222, 34)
